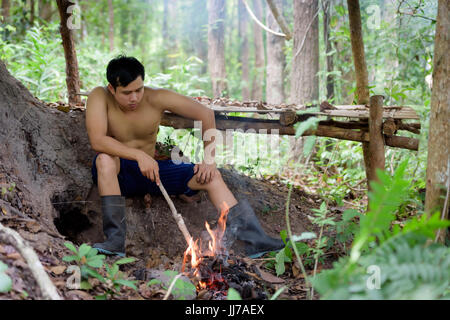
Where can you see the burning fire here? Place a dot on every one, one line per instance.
(208, 279)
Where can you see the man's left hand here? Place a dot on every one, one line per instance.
(205, 172)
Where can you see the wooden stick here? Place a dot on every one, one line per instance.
(252, 15)
(47, 287)
(324, 129)
(376, 145)
(280, 19)
(178, 218)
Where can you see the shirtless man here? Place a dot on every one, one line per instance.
(122, 122)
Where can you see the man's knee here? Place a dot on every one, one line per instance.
(107, 164)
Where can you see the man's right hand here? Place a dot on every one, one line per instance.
(149, 167)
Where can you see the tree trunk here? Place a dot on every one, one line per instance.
(72, 74)
(438, 162)
(45, 10)
(165, 35)
(328, 49)
(275, 61)
(362, 78)
(32, 11)
(305, 62)
(244, 53)
(216, 46)
(6, 7)
(257, 86)
(356, 37)
(111, 25)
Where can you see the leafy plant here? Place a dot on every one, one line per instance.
(182, 290)
(115, 279)
(87, 259)
(5, 280)
(233, 294)
(286, 254)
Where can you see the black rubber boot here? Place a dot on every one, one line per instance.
(243, 225)
(114, 226)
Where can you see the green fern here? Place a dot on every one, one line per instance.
(384, 199)
(406, 272)
(408, 267)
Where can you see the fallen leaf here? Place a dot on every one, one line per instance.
(33, 226)
(4, 211)
(63, 108)
(58, 270)
(14, 256)
(268, 277)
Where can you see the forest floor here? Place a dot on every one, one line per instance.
(51, 250)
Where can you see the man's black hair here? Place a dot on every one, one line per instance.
(123, 70)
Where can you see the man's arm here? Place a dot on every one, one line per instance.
(97, 127)
(189, 108)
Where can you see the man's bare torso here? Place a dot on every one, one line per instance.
(138, 128)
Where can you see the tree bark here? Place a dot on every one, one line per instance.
(72, 74)
(376, 144)
(328, 49)
(257, 86)
(216, 46)
(275, 62)
(438, 162)
(45, 10)
(165, 35)
(32, 11)
(362, 79)
(6, 7)
(305, 63)
(244, 51)
(111, 25)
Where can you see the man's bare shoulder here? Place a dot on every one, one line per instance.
(156, 96)
(98, 92)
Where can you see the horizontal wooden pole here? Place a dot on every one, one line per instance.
(324, 129)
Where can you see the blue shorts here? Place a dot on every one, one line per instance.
(132, 182)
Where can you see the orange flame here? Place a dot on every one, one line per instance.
(215, 245)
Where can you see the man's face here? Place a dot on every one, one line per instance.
(129, 97)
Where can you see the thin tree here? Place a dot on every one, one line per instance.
(329, 57)
(111, 25)
(362, 78)
(305, 62)
(6, 7)
(275, 61)
(216, 46)
(438, 162)
(72, 73)
(244, 51)
(257, 85)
